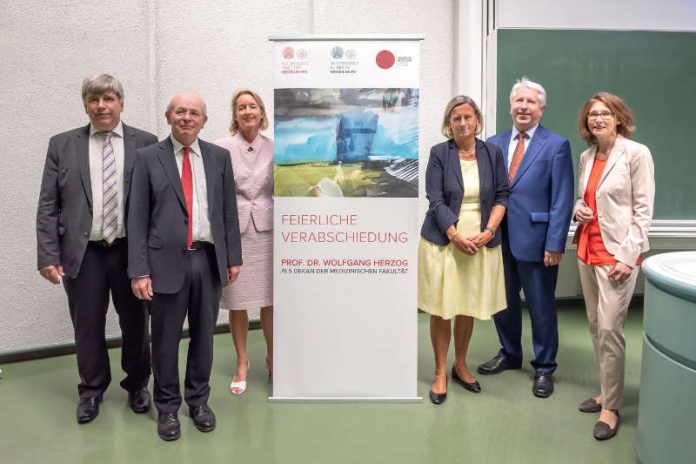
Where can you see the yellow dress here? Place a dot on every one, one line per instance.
(452, 283)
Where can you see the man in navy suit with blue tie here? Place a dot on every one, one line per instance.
(540, 173)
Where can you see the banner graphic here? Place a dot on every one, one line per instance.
(346, 218)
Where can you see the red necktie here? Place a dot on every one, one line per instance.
(187, 184)
(516, 157)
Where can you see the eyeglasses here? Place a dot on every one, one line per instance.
(604, 115)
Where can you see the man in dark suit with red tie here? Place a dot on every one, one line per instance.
(184, 246)
(80, 236)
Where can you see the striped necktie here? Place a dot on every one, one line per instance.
(109, 190)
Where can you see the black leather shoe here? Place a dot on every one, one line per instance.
(498, 364)
(590, 405)
(139, 401)
(88, 409)
(543, 385)
(168, 426)
(473, 387)
(203, 418)
(602, 431)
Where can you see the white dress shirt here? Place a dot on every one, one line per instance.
(200, 229)
(513, 142)
(96, 146)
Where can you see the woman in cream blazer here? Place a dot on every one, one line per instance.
(614, 209)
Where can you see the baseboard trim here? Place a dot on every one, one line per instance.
(63, 349)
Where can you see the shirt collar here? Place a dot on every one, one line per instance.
(530, 132)
(118, 130)
(178, 146)
(254, 145)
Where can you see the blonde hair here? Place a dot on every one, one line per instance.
(455, 102)
(234, 126)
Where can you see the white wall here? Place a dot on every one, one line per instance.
(662, 15)
(156, 48)
(649, 15)
(160, 47)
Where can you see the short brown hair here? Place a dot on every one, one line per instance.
(455, 102)
(234, 126)
(623, 114)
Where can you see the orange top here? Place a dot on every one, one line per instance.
(591, 249)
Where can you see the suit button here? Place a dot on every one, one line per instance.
(86, 234)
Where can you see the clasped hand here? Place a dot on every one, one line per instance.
(470, 245)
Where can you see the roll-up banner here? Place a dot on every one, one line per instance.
(346, 218)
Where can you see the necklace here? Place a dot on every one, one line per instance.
(467, 153)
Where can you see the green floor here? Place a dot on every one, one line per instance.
(505, 424)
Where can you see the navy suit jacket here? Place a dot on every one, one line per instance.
(64, 213)
(158, 219)
(444, 188)
(541, 196)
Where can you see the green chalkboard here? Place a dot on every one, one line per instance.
(655, 74)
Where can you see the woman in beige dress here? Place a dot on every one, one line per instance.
(460, 267)
(252, 162)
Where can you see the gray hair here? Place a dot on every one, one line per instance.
(204, 107)
(525, 82)
(100, 84)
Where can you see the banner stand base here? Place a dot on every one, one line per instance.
(343, 399)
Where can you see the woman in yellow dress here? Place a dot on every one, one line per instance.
(460, 266)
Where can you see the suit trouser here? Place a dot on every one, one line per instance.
(539, 285)
(606, 303)
(103, 271)
(199, 299)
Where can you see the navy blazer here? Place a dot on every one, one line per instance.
(541, 196)
(444, 188)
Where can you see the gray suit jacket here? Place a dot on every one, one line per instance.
(158, 219)
(64, 215)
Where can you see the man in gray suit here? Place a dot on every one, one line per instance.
(80, 235)
(184, 246)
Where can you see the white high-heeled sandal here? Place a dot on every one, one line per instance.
(238, 387)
